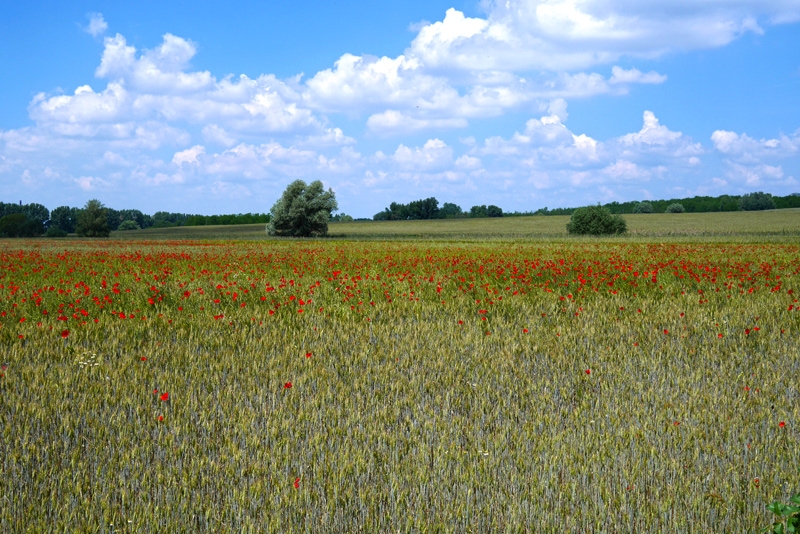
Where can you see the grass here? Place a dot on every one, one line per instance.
(742, 225)
(488, 387)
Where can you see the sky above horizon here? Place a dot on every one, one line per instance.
(209, 108)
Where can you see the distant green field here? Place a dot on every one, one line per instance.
(774, 223)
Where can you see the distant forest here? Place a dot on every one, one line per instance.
(35, 219)
(691, 205)
(66, 217)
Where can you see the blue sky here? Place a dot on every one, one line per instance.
(209, 107)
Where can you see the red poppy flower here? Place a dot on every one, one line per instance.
(287, 385)
(666, 331)
(588, 371)
(524, 330)
(308, 354)
(165, 396)
(676, 423)
(160, 418)
(65, 334)
(297, 482)
(782, 424)
(719, 336)
(143, 358)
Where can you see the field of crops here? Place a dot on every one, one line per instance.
(577, 386)
(772, 224)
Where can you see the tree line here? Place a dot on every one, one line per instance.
(428, 208)
(698, 204)
(32, 220)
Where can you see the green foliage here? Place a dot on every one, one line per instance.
(596, 220)
(93, 220)
(675, 207)
(65, 218)
(789, 201)
(55, 231)
(225, 220)
(643, 207)
(788, 516)
(19, 225)
(757, 201)
(303, 210)
(128, 225)
(341, 217)
(450, 211)
(485, 211)
(427, 208)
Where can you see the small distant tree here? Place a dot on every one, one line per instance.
(303, 210)
(643, 207)
(65, 218)
(756, 202)
(93, 220)
(128, 225)
(493, 211)
(341, 217)
(478, 211)
(675, 207)
(450, 211)
(596, 220)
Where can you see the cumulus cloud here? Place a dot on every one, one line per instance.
(97, 25)
(655, 139)
(188, 156)
(620, 75)
(753, 162)
(396, 122)
(746, 148)
(570, 35)
(434, 154)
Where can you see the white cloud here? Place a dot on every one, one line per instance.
(214, 134)
(188, 156)
(395, 122)
(97, 25)
(626, 170)
(751, 162)
(620, 75)
(90, 183)
(655, 139)
(746, 148)
(467, 162)
(558, 35)
(435, 154)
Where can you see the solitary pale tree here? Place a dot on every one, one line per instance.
(303, 210)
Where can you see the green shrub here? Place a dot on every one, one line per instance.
(596, 220)
(675, 207)
(128, 225)
(643, 207)
(55, 231)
